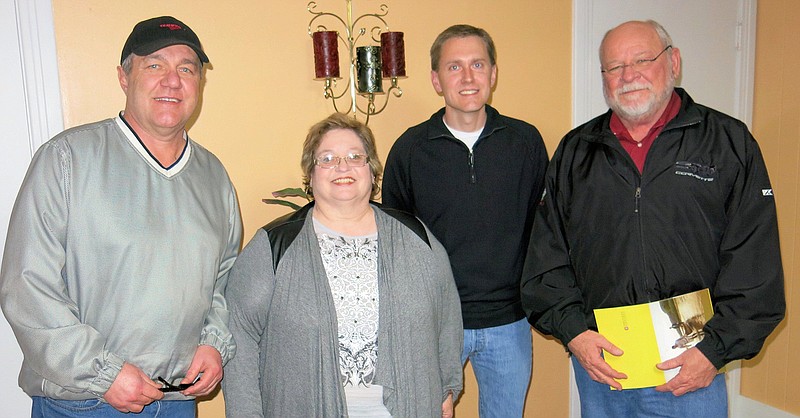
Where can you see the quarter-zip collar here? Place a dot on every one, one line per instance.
(688, 115)
(438, 130)
(600, 133)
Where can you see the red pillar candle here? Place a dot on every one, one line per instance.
(326, 54)
(393, 55)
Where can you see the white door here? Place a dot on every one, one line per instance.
(30, 112)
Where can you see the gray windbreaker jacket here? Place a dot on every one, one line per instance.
(111, 258)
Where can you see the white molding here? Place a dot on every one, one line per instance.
(745, 65)
(738, 405)
(733, 383)
(581, 112)
(748, 408)
(743, 407)
(37, 116)
(574, 397)
(581, 42)
(40, 70)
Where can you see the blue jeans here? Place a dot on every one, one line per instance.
(599, 401)
(95, 408)
(501, 358)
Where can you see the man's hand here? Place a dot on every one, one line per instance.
(447, 406)
(588, 347)
(207, 361)
(696, 372)
(132, 390)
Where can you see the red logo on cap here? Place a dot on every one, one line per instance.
(170, 26)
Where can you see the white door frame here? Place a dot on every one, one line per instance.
(35, 92)
(40, 69)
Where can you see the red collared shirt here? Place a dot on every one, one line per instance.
(638, 150)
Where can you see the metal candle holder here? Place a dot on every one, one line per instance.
(369, 63)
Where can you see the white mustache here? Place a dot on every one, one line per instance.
(634, 86)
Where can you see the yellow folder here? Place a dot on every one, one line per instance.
(650, 333)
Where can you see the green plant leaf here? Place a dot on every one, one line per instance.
(292, 205)
(291, 192)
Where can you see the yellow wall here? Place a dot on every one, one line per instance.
(770, 377)
(260, 98)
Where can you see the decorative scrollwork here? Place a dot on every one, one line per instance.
(350, 36)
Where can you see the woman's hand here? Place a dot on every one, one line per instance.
(447, 406)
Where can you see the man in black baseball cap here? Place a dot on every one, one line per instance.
(121, 240)
(150, 35)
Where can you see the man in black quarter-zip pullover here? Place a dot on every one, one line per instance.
(475, 178)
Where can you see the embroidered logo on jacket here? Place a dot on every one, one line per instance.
(696, 170)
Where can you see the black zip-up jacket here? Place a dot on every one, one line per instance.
(700, 215)
(478, 204)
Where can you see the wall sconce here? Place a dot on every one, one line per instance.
(369, 64)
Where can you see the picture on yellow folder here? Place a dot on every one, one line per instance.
(651, 333)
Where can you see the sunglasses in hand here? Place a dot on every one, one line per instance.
(168, 387)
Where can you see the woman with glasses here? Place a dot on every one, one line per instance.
(343, 308)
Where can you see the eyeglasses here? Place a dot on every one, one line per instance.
(637, 65)
(173, 388)
(329, 161)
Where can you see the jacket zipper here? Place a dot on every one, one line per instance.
(649, 287)
(472, 178)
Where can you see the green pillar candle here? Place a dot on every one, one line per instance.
(368, 69)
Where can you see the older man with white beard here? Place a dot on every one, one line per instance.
(658, 197)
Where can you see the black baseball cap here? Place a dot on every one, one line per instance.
(150, 35)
